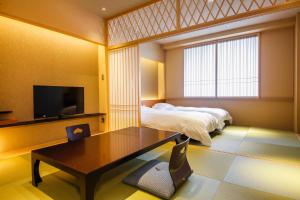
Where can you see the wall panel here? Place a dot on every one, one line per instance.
(23, 139)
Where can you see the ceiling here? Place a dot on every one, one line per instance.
(113, 7)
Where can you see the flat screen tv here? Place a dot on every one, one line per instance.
(56, 101)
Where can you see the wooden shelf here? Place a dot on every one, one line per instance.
(53, 119)
(7, 121)
(5, 112)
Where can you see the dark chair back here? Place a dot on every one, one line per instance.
(179, 167)
(78, 132)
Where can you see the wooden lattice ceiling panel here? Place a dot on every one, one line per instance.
(194, 12)
(167, 17)
(152, 20)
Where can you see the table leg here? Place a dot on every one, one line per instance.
(87, 186)
(35, 172)
(178, 140)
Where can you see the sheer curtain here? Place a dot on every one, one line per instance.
(223, 69)
(124, 103)
(238, 68)
(200, 71)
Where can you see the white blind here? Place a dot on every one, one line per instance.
(238, 68)
(224, 69)
(200, 71)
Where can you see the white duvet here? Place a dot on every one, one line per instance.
(196, 125)
(221, 114)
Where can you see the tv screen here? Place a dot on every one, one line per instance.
(53, 101)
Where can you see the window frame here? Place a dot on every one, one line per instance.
(216, 41)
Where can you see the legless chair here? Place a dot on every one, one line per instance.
(78, 132)
(162, 178)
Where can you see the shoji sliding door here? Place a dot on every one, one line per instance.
(124, 90)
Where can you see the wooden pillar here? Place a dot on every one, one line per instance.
(297, 76)
(103, 87)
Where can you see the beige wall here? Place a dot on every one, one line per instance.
(275, 107)
(34, 56)
(149, 78)
(277, 63)
(63, 15)
(152, 51)
(152, 59)
(30, 55)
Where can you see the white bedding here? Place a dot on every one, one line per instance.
(221, 114)
(196, 125)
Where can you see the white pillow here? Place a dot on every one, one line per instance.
(164, 106)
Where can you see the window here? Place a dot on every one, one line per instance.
(222, 69)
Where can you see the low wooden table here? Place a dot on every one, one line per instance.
(88, 158)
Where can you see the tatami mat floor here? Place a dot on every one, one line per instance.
(243, 163)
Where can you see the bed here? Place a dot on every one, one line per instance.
(196, 125)
(221, 115)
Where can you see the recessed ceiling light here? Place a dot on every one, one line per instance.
(103, 9)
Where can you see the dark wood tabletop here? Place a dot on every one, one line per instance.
(88, 158)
